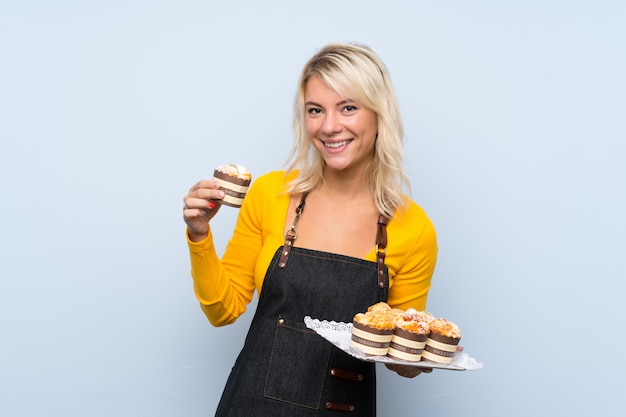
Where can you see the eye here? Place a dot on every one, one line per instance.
(350, 108)
(313, 110)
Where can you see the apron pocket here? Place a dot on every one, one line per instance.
(297, 366)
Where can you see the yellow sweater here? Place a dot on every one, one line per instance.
(225, 287)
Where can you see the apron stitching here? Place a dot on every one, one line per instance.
(267, 373)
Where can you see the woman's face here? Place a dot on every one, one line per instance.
(342, 130)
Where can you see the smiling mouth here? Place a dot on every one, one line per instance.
(334, 145)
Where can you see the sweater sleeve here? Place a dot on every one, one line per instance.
(416, 241)
(225, 287)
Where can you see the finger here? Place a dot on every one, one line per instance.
(203, 194)
(407, 371)
(191, 214)
(205, 184)
(411, 374)
(205, 200)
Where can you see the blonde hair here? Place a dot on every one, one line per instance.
(354, 71)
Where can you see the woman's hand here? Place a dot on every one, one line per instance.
(407, 371)
(201, 204)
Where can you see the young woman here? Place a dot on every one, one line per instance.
(329, 236)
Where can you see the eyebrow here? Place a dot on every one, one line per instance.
(341, 103)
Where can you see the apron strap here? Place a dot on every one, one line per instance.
(291, 234)
(381, 249)
(381, 242)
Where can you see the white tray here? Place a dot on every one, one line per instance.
(339, 334)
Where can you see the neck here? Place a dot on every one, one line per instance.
(345, 187)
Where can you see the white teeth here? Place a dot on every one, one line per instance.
(336, 144)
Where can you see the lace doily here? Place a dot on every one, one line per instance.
(339, 333)
(315, 324)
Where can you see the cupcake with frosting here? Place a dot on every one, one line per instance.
(234, 181)
(442, 341)
(410, 335)
(372, 330)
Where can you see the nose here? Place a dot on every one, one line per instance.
(331, 123)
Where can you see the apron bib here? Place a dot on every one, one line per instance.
(288, 370)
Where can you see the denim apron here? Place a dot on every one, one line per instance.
(286, 369)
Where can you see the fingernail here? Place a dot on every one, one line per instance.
(211, 205)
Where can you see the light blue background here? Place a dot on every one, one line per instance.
(110, 110)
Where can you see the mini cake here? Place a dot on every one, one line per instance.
(234, 181)
(409, 337)
(442, 341)
(372, 331)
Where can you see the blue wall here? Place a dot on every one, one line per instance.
(111, 110)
